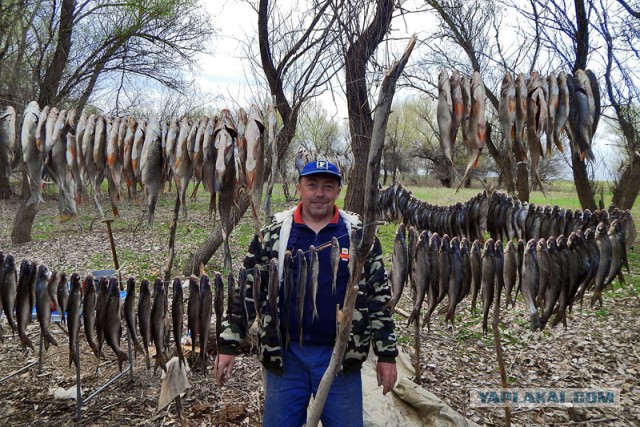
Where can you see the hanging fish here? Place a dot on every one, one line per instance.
(521, 116)
(301, 291)
(254, 164)
(127, 161)
(465, 86)
(457, 112)
(552, 104)
(151, 163)
(183, 166)
(31, 152)
(477, 125)
(445, 115)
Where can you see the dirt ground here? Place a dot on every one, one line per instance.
(599, 348)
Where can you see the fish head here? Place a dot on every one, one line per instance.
(445, 245)
(489, 247)
(562, 242)
(193, 284)
(531, 246)
(158, 287)
(9, 263)
(89, 284)
(75, 282)
(498, 247)
(144, 286)
(114, 287)
(510, 247)
(601, 230)
(177, 286)
(205, 286)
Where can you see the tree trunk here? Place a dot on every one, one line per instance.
(522, 181)
(359, 110)
(626, 190)
(583, 185)
(503, 162)
(23, 222)
(49, 87)
(210, 246)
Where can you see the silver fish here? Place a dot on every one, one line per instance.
(301, 291)
(151, 172)
(315, 271)
(73, 317)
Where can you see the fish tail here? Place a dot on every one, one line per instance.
(160, 361)
(315, 312)
(49, 339)
(26, 342)
(535, 322)
(147, 359)
(300, 337)
(138, 346)
(122, 357)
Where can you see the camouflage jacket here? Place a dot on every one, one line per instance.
(371, 323)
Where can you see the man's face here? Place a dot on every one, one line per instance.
(318, 194)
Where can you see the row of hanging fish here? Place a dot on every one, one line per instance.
(461, 104)
(503, 216)
(223, 154)
(509, 218)
(468, 219)
(552, 274)
(532, 107)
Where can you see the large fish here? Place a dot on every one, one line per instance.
(206, 300)
(43, 306)
(240, 150)
(562, 110)
(88, 139)
(465, 86)
(445, 115)
(157, 323)
(536, 122)
(209, 157)
(582, 126)
(272, 292)
(272, 120)
(552, 104)
(399, 266)
(151, 162)
(465, 253)
(193, 311)
(144, 318)
(457, 112)
(198, 152)
(73, 317)
(136, 150)
(32, 154)
(521, 116)
(595, 93)
(604, 245)
(314, 266)
(477, 124)
(488, 280)
(112, 324)
(129, 313)
(254, 164)
(100, 151)
(530, 282)
(224, 136)
(444, 267)
(114, 164)
(49, 129)
(301, 290)
(455, 279)
(171, 145)
(569, 277)
(80, 130)
(422, 271)
(9, 289)
(177, 307)
(183, 166)
(507, 114)
(74, 178)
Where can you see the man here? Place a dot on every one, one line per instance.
(294, 371)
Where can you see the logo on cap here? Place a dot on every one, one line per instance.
(321, 164)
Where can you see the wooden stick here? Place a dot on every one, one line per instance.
(172, 240)
(382, 111)
(499, 352)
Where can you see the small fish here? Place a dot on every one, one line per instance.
(604, 246)
(445, 114)
(23, 308)
(530, 282)
(444, 267)
(218, 303)
(422, 271)
(399, 266)
(73, 317)
(499, 282)
(510, 270)
(231, 291)
(488, 281)
(43, 306)
(157, 323)
(193, 311)
(455, 279)
(52, 289)
(335, 262)
(476, 272)
(618, 251)
(272, 294)
(465, 253)
(302, 289)
(144, 318)
(129, 314)
(412, 241)
(315, 271)
(242, 291)
(9, 289)
(112, 324)
(545, 267)
(257, 291)
(433, 283)
(288, 288)
(177, 305)
(101, 303)
(206, 300)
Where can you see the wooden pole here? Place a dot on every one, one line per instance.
(382, 111)
(499, 352)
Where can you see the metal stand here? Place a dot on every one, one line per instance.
(40, 352)
(24, 368)
(79, 400)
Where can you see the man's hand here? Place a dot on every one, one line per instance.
(224, 367)
(387, 375)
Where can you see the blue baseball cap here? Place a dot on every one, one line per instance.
(321, 167)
